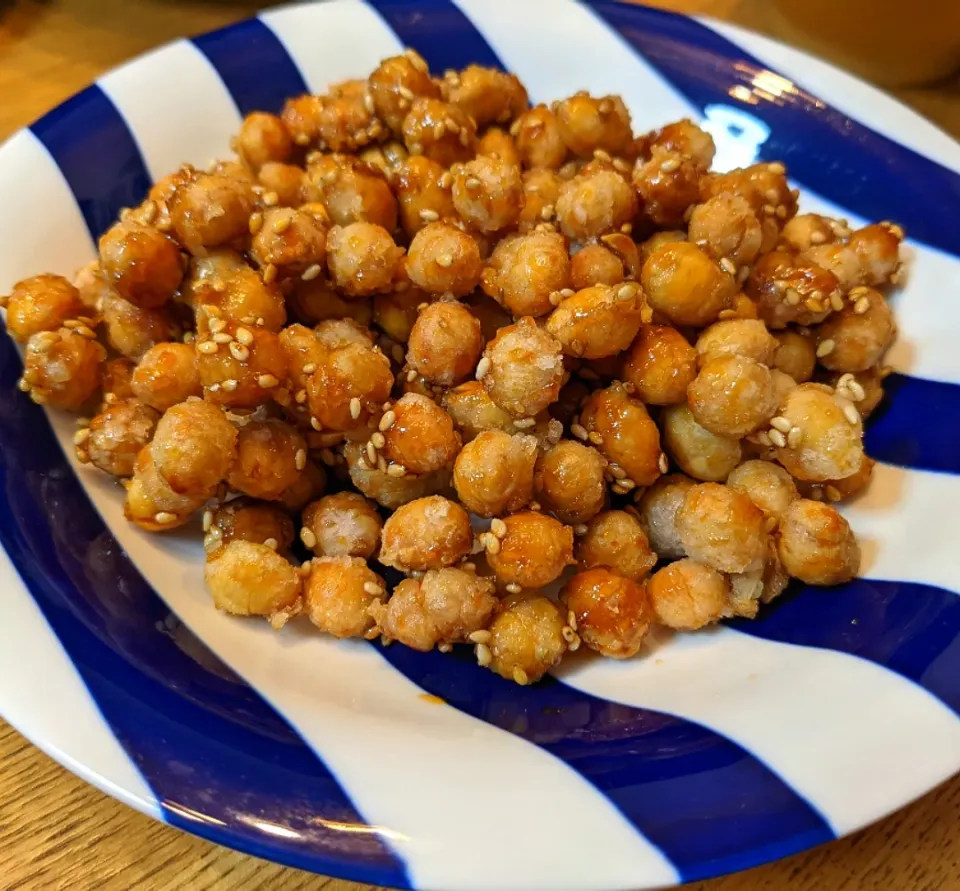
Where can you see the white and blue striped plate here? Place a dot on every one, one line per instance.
(715, 752)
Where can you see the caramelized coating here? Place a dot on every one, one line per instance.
(342, 525)
(445, 607)
(531, 550)
(864, 388)
(526, 273)
(240, 378)
(473, 411)
(587, 123)
(339, 594)
(116, 383)
(722, 527)
(595, 264)
(698, 452)
(600, 321)
(660, 364)
(732, 396)
(685, 138)
(807, 230)
(856, 338)
(796, 355)
(877, 249)
(395, 313)
(362, 258)
(658, 514)
(334, 333)
(301, 116)
(526, 638)
(209, 210)
(493, 473)
(622, 430)
(538, 138)
(351, 191)
(421, 437)
(290, 240)
(613, 614)
(487, 95)
(150, 502)
(287, 180)
(270, 457)
(62, 368)
(345, 119)
(439, 130)
(569, 481)
(829, 445)
(841, 490)
(616, 539)
(263, 138)
(167, 374)
(395, 83)
(249, 579)
(317, 300)
(194, 447)
(594, 203)
(687, 595)
(116, 436)
(737, 337)
(727, 229)
(247, 520)
(426, 534)
(348, 387)
(487, 193)
(766, 484)
(41, 303)
(388, 490)
(140, 263)
(658, 240)
(442, 259)
(223, 280)
(668, 186)
(522, 369)
(445, 343)
(425, 193)
(684, 284)
(541, 189)
(789, 289)
(816, 544)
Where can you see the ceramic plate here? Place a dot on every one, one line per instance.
(713, 752)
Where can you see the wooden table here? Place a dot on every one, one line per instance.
(57, 832)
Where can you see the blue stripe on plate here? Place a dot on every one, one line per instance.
(707, 804)
(439, 31)
(254, 65)
(97, 155)
(826, 151)
(909, 628)
(916, 425)
(220, 761)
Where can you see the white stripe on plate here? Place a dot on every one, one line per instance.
(45, 698)
(853, 97)
(448, 788)
(843, 732)
(176, 106)
(598, 58)
(903, 522)
(316, 41)
(37, 202)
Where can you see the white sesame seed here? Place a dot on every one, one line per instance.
(570, 636)
(388, 420)
(81, 436)
(479, 637)
(492, 544)
(763, 438)
(781, 423)
(595, 438)
(405, 92)
(778, 439)
(396, 470)
(836, 301)
(861, 306)
(164, 518)
(300, 459)
(472, 182)
(856, 390)
(207, 520)
(825, 348)
(429, 216)
(794, 438)
(670, 165)
(266, 381)
(315, 423)
(662, 463)
(411, 375)
(851, 414)
(311, 272)
(728, 266)
(373, 589)
(230, 385)
(371, 453)
(580, 529)
(307, 537)
(269, 274)
(355, 408)
(483, 654)
(483, 366)
(271, 199)
(513, 588)
(520, 677)
(578, 431)
(498, 527)
(239, 352)
(378, 440)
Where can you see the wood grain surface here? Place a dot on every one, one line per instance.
(58, 833)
